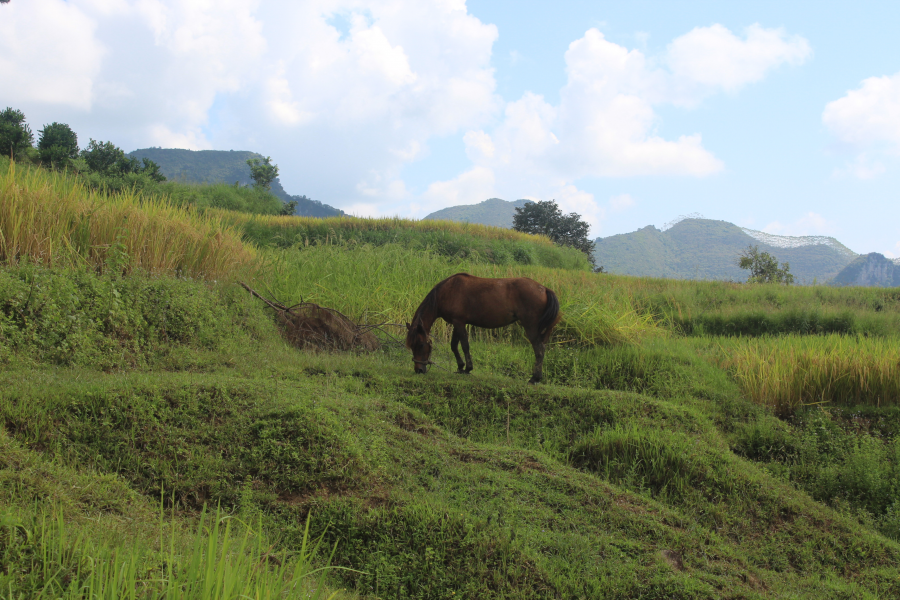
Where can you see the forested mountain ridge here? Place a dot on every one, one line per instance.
(224, 166)
(708, 249)
(492, 211)
(693, 248)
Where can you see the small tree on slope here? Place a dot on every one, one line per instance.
(764, 267)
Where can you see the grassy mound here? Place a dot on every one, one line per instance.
(645, 467)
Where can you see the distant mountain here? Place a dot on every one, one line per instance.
(708, 249)
(224, 166)
(869, 270)
(494, 211)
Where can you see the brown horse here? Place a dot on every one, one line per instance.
(463, 299)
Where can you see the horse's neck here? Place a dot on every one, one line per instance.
(428, 316)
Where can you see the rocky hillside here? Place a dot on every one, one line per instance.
(708, 249)
(224, 166)
(869, 270)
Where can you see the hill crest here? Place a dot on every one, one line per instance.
(225, 166)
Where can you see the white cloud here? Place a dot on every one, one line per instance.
(342, 109)
(868, 120)
(48, 54)
(605, 122)
(869, 114)
(715, 57)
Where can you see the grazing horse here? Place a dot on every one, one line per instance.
(464, 299)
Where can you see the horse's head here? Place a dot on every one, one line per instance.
(418, 340)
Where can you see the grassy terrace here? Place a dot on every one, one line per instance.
(158, 433)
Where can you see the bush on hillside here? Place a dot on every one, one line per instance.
(76, 317)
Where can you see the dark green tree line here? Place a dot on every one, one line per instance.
(15, 135)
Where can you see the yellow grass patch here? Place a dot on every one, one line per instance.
(788, 372)
(50, 217)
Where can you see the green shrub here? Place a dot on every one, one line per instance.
(77, 317)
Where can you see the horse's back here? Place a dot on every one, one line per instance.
(491, 302)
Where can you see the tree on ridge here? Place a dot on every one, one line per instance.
(545, 218)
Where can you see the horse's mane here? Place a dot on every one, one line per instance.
(430, 301)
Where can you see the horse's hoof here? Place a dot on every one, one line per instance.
(533, 381)
(462, 372)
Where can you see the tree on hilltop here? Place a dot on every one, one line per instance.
(545, 218)
(15, 135)
(764, 267)
(57, 144)
(263, 172)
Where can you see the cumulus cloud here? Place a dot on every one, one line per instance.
(48, 54)
(344, 93)
(605, 122)
(341, 93)
(867, 119)
(716, 58)
(868, 115)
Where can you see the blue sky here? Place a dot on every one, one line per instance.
(783, 117)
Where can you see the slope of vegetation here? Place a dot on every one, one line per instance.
(705, 249)
(211, 167)
(493, 211)
(645, 467)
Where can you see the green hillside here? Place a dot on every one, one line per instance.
(221, 166)
(494, 211)
(706, 249)
(162, 439)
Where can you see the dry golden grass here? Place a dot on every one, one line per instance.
(51, 218)
(788, 372)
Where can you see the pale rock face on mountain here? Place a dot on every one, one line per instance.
(871, 270)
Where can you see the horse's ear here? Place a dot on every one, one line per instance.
(408, 327)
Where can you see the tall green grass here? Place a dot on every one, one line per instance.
(311, 227)
(473, 242)
(51, 218)
(733, 309)
(788, 372)
(46, 557)
(385, 284)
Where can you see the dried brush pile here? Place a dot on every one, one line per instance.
(308, 325)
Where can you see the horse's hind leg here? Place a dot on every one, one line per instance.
(537, 373)
(537, 343)
(454, 345)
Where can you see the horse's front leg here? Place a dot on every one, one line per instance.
(454, 345)
(464, 338)
(538, 372)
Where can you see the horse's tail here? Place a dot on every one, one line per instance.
(550, 316)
